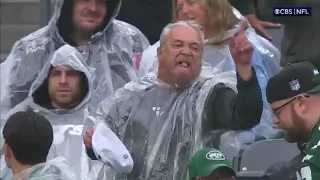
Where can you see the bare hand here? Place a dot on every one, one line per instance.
(240, 47)
(260, 26)
(87, 138)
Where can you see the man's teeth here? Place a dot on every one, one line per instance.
(184, 64)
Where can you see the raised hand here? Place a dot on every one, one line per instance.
(241, 50)
(240, 47)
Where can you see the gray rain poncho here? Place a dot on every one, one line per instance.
(217, 59)
(68, 125)
(55, 169)
(110, 54)
(162, 125)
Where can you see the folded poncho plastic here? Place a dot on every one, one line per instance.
(55, 169)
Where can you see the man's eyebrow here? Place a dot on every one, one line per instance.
(177, 40)
(189, 43)
(55, 70)
(195, 43)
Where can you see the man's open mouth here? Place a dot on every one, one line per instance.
(184, 63)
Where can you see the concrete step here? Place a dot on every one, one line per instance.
(20, 11)
(9, 34)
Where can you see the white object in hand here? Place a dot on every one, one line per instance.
(109, 149)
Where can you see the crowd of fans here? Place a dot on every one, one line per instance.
(159, 90)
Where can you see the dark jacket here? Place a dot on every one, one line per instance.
(287, 170)
(230, 110)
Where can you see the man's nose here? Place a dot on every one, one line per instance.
(63, 79)
(275, 120)
(186, 50)
(93, 5)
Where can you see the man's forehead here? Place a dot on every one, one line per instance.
(184, 33)
(63, 68)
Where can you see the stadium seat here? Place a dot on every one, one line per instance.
(253, 161)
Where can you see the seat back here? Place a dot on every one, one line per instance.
(260, 155)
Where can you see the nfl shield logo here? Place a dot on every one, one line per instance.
(295, 85)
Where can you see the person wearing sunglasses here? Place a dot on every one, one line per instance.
(210, 164)
(294, 95)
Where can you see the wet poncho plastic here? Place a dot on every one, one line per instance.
(217, 59)
(110, 54)
(160, 125)
(55, 169)
(68, 124)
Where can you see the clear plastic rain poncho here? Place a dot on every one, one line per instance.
(217, 59)
(69, 124)
(161, 125)
(55, 169)
(110, 54)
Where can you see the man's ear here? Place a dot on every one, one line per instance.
(302, 103)
(159, 50)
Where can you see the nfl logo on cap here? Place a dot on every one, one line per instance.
(295, 85)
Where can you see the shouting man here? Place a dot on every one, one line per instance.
(163, 119)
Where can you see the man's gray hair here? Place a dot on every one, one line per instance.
(171, 26)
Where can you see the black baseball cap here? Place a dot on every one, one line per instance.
(294, 79)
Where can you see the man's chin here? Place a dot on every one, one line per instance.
(185, 82)
(89, 27)
(290, 139)
(65, 104)
(183, 73)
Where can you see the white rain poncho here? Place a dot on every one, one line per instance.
(217, 59)
(55, 169)
(110, 54)
(69, 124)
(162, 125)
